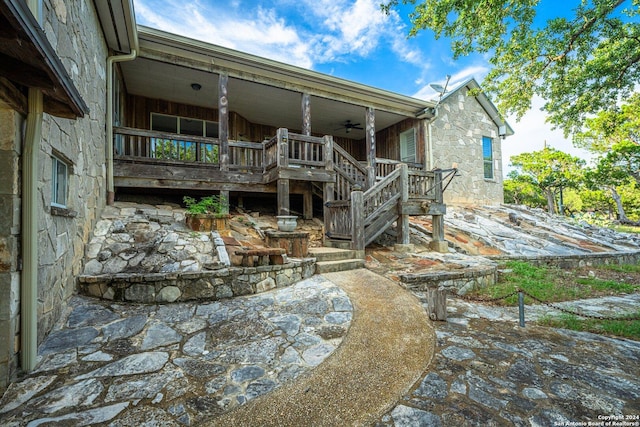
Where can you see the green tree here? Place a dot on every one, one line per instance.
(550, 170)
(580, 65)
(618, 168)
(521, 190)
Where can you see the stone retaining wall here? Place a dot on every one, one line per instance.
(460, 282)
(204, 285)
(575, 261)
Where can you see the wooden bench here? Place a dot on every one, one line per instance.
(266, 256)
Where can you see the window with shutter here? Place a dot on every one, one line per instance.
(408, 146)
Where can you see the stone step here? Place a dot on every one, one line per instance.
(331, 254)
(340, 244)
(339, 265)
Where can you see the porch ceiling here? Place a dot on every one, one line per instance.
(259, 103)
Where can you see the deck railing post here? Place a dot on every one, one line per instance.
(329, 187)
(437, 233)
(357, 221)
(223, 121)
(403, 223)
(283, 162)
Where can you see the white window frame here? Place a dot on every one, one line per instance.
(487, 162)
(55, 182)
(409, 146)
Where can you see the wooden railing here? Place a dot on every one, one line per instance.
(368, 214)
(386, 166)
(270, 153)
(130, 142)
(349, 173)
(306, 151)
(171, 148)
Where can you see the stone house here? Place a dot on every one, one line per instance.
(92, 105)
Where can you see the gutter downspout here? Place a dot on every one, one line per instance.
(428, 161)
(29, 218)
(110, 60)
(29, 276)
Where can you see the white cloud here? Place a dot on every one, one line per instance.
(428, 93)
(259, 32)
(339, 31)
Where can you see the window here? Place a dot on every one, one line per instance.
(59, 182)
(487, 156)
(184, 149)
(408, 146)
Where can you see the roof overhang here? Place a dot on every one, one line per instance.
(261, 90)
(118, 24)
(486, 104)
(27, 60)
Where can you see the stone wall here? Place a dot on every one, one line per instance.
(576, 261)
(10, 138)
(203, 285)
(458, 282)
(457, 139)
(74, 31)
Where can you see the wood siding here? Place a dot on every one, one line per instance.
(139, 109)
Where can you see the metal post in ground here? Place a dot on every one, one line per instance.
(521, 308)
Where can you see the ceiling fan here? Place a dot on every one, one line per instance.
(348, 126)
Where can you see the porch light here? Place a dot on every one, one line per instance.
(196, 86)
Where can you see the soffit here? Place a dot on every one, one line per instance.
(259, 103)
(28, 60)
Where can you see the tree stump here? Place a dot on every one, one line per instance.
(437, 304)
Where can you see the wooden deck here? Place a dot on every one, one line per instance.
(360, 201)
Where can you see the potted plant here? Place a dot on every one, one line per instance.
(206, 214)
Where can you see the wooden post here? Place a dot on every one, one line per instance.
(437, 304)
(307, 203)
(371, 146)
(283, 197)
(329, 187)
(223, 121)
(306, 114)
(357, 220)
(283, 162)
(437, 221)
(283, 148)
(403, 222)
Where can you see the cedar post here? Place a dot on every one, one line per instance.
(306, 114)
(223, 130)
(357, 221)
(371, 146)
(223, 121)
(283, 162)
(437, 233)
(403, 223)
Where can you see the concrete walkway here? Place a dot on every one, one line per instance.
(389, 344)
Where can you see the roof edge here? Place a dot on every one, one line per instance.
(485, 102)
(261, 65)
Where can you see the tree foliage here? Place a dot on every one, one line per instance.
(579, 65)
(550, 170)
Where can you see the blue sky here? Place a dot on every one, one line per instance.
(353, 40)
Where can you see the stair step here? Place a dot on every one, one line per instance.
(339, 265)
(331, 254)
(340, 244)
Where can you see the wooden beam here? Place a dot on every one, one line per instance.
(24, 74)
(223, 120)
(12, 96)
